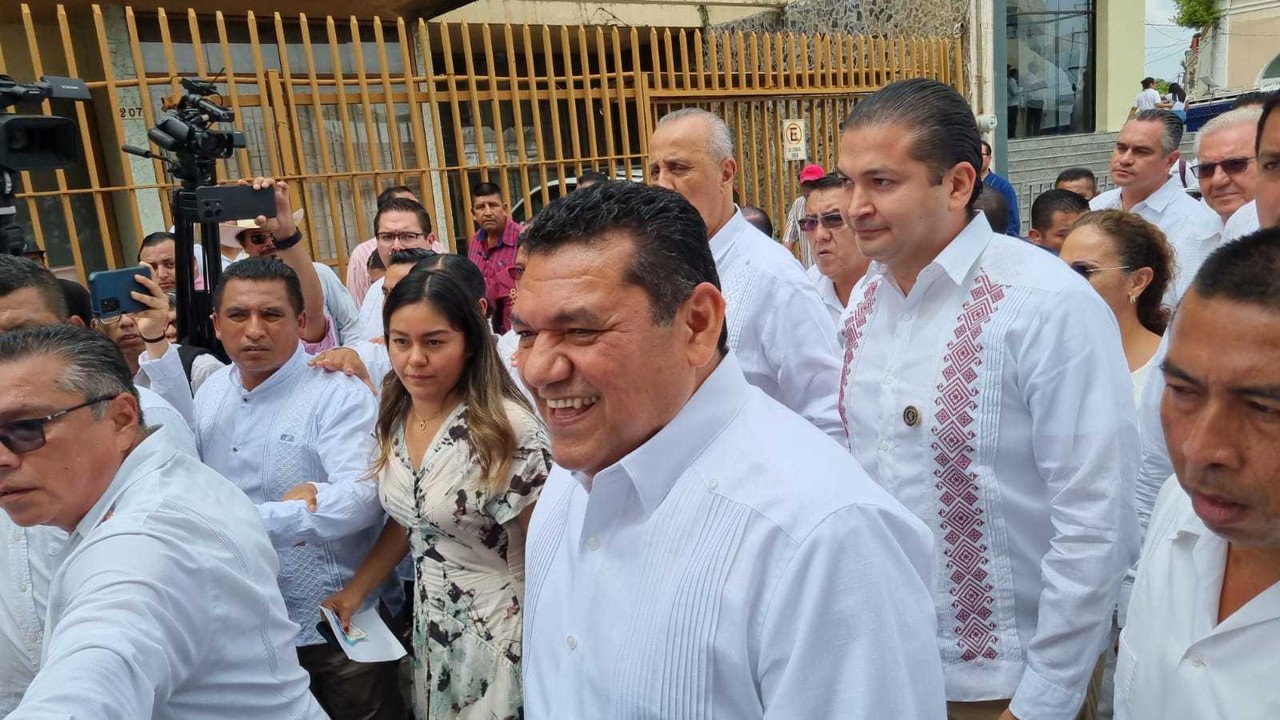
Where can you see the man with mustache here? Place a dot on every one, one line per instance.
(1204, 620)
(1146, 149)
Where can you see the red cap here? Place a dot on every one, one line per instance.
(812, 172)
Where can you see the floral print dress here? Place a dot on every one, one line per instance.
(468, 567)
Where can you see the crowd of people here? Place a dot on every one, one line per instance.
(636, 458)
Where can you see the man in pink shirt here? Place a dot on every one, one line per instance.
(493, 250)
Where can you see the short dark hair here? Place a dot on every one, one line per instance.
(1171, 127)
(1147, 82)
(671, 258)
(485, 189)
(1245, 270)
(1253, 97)
(155, 239)
(393, 192)
(1076, 173)
(403, 204)
(827, 182)
(261, 269)
(758, 218)
(94, 366)
(19, 273)
(987, 146)
(996, 208)
(1267, 107)
(944, 130)
(590, 177)
(409, 256)
(79, 302)
(1055, 201)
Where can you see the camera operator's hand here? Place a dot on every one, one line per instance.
(282, 225)
(152, 321)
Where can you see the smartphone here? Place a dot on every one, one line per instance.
(110, 289)
(228, 203)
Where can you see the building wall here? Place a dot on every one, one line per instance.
(1254, 41)
(1121, 59)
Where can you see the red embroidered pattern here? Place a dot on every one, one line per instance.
(853, 336)
(962, 526)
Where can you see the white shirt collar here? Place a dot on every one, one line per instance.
(152, 451)
(1164, 195)
(293, 365)
(654, 467)
(722, 241)
(958, 257)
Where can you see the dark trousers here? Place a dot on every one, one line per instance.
(348, 690)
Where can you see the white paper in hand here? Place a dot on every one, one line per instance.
(368, 639)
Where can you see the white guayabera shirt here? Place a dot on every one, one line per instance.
(737, 565)
(995, 402)
(778, 326)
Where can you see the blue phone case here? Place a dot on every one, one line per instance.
(110, 291)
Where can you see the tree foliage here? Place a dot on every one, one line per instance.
(1197, 14)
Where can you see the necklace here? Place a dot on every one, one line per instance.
(422, 422)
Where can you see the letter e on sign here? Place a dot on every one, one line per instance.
(795, 140)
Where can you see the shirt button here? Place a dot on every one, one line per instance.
(572, 642)
(235, 449)
(908, 317)
(712, 484)
(885, 445)
(22, 587)
(888, 379)
(1196, 661)
(593, 544)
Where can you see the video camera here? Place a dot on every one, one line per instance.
(32, 142)
(192, 148)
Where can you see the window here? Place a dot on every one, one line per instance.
(1050, 75)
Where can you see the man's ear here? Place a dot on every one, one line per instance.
(75, 320)
(1034, 236)
(702, 316)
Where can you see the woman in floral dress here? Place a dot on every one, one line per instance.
(461, 460)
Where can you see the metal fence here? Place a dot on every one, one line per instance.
(342, 107)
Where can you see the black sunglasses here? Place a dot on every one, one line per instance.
(24, 436)
(1230, 166)
(260, 238)
(830, 221)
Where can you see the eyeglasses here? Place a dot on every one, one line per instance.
(24, 436)
(1230, 166)
(830, 221)
(1088, 271)
(260, 238)
(390, 237)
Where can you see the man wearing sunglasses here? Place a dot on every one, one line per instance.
(339, 309)
(164, 602)
(1228, 168)
(838, 263)
(30, 296)
(1146, 149)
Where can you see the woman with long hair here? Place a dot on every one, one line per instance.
(461, 459)
(1129, 263)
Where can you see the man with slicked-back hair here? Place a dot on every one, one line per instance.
(984, 386)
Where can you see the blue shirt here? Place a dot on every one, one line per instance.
(1002, 186)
